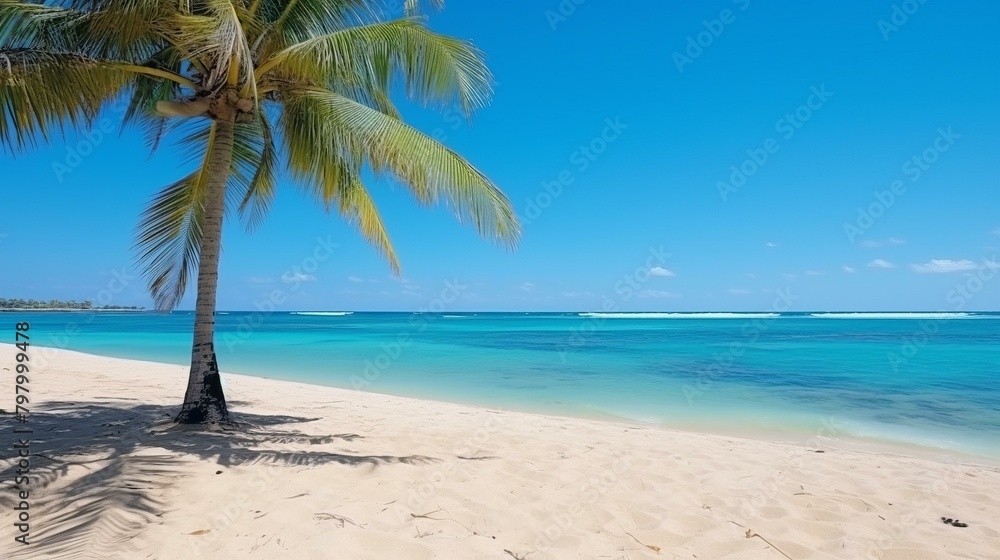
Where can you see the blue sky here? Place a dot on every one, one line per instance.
(665, 156)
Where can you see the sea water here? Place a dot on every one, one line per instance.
(928, 379)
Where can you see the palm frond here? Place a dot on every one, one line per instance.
(356, 206)
(437, 69)
(169, 239)
(337, 127)
(27, 24)
(414, 7)
(43, 92)
(287, 22)
(330, 173)
(109, 30)
(147, 91)
(216, 39)
(255, 157)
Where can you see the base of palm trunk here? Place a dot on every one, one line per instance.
(205, 402)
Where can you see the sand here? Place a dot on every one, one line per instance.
(320, 472)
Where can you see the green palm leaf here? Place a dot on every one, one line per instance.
(331, 175)
(169, 239)
(44, 92)
(345, 129)
(255, 162)
(435, 68)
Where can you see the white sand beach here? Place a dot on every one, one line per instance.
(321, 472)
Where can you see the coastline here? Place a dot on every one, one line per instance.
(68, 310)
(828, 436)
(319, 468)
(829, 433)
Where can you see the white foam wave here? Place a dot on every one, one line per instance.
(902, 315)
(324, 313)
(680, 315)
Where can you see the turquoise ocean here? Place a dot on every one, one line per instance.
(926, 379)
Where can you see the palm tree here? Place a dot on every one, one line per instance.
(248, 83)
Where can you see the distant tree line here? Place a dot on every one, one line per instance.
(18, 303)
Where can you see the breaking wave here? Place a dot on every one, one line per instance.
(900, 315)
(324, 313)
(681, 315)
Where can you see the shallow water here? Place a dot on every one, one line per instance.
(925, 379)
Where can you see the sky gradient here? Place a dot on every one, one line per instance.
(715, 155)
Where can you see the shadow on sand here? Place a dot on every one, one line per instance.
(123, 457)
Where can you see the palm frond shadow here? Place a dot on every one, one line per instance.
(122, 457)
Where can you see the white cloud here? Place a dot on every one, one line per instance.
(297, 277)
(751, 275)
(771, 244)
(848, 269)
(527, 286)
(259, 280)
(656, 294)
(407, 284)
(944, 265)
(881, 263)
(814, 272)
(356, 279)
(872, 243)
(410, 288)
(740, 291)
(996, 231)
(660, 271)
(578, 294)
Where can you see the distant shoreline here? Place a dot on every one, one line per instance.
(66, 309)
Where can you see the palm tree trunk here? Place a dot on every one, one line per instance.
(204, 401)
